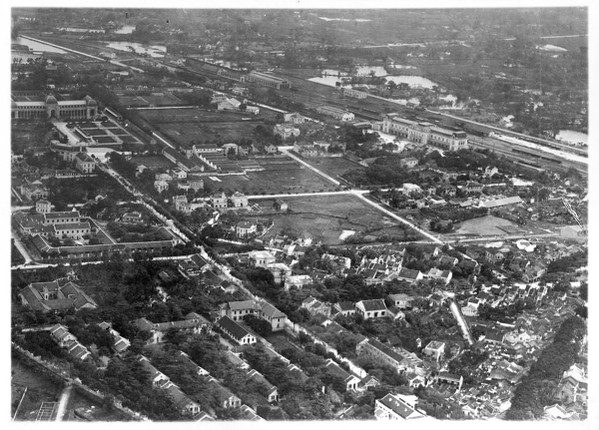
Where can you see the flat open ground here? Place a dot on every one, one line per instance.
(150, 100)
(152, 161)
(28, 135)
(186, 125)
(281, 175)
(40, 388)
(334, 166)
(484, 226)
(325, 218)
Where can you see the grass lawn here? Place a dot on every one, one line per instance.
(326, 218)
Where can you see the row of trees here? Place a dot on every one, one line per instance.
(536, 390)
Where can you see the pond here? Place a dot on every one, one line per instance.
(324, 18)
(333, 72)
(154, 51)
(125, 29)
(412, 81)
(330, 80)
(366, 70)
(551, 48)
(36, 46)
(571, 136)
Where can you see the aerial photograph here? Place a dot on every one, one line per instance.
(299, 214)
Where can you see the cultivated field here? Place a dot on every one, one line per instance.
(326, 218)
(186, 125)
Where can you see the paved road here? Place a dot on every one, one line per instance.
(161, 107)
(286, 150)
(400, 219)
(21, 248)
(116, 63)
(62, 404)
(321, 193)
(360, 194)
(39, 266)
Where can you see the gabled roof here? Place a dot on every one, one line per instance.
(232, 328)
(386, 350)
(373, 305)
(345, 306)
(242, 305)
(408, 273)
(270, 311)
(399, 407)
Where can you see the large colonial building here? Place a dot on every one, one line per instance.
(424, 132)
(53, 108)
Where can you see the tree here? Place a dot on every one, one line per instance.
(260, 326)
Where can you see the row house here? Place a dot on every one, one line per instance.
(272, 393)
(235, 331)
(402, 361)
(184, 404)
(224, 397)
(120, 344)
(350, 381)
(68, 342)
(184, 359)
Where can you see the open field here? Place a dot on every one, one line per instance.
(186, 125)
(40, 388)
(327, 218)
(150, 100)
(485, 226)
(334, 166)
(28, 135)
(152, 161)
(281, 175)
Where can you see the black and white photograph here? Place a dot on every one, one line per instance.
(299, 213)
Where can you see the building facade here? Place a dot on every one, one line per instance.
(53, 108)
(424, 132)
